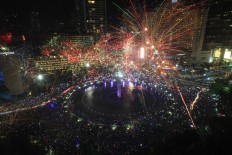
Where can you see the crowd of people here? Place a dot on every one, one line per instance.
(67, 125)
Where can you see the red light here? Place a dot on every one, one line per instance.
(7, 38)
(23, 38)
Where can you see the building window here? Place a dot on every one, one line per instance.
(91, 2)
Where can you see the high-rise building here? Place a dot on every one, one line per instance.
(92, 16)
(218, 32)
(191, 22)
(199, 31)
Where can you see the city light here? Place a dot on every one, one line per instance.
(227, 54)
(142, 53)
(130, 89)
(40, 77)
(87, 65)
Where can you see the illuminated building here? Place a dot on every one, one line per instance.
(51, 63)
(193, 41)
(200, 24)
(205, 57)
(219, 25)
(222, 54)
(218, 33)
(78, 39)
(92, 16)
(214, 56)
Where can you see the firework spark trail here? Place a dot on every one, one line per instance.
(180, 20)
(143, 101)
(135, 15)
(24, 108)
(186, 107)
(166, 30)
(194, 102)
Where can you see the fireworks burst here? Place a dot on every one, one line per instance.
(145, 38)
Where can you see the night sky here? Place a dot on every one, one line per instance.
(53, 11)
(52, 8)
(41, 5)
(49, 9)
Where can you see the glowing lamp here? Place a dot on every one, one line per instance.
(87, 65)
(142, 53)
(227, 54)
(40, 77)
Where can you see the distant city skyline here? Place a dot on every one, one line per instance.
(51, 10)
(50, 13)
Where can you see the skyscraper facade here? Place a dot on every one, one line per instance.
(219, 25)
(196, 21)
(91, 16)
(200, 26)
(218, 32)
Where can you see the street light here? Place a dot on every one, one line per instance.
(87, 65)
(40, 77)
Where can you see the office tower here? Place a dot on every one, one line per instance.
(218, 34)
(219, 25)
(200, 26)
(92, 16)
(195, 22)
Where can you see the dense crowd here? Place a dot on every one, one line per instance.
(63, 126)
